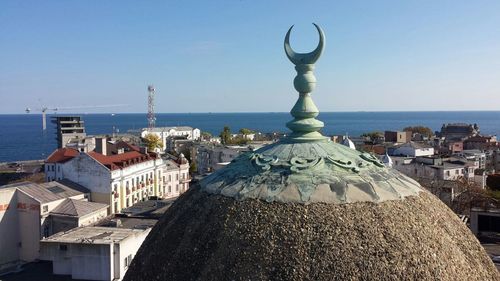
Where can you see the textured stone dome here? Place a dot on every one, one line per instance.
(306, 208)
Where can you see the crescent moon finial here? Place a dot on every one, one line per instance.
(304, 58)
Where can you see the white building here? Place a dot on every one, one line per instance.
(434, 168)
(474, 155)
(119, 180)
(93, 253)
(210, 158)
(413, 149)
(166, 132)
(30, 211)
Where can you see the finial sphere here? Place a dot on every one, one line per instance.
(306, 58)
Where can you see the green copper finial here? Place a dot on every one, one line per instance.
(305, 126)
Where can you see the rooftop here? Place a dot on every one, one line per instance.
(49, 191)
(123, 160)
(62, 155)
(77, 208)
(93, 235)
(165, 129)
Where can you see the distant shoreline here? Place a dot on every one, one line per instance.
(256, 112)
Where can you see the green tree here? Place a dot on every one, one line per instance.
(424, 131)
(206, 135)
(373, 135)
(225, 135)
(152, 142)
(245, 131)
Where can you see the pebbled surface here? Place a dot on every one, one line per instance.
(308, 173)
(211, 237)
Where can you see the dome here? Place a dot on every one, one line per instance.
(306, 208)
(348, 142)
(182, 159)
(387, 160)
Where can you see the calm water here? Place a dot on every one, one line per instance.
(21, 136)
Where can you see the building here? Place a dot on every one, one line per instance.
(458, 131)
(481, 142)
(164, 133)
(397, 136)
(93, 253)
(211, 157)
(484, 221)
(451, 147)
(122, 176)
(412, 149)
(474, 155)
(29, 212)
(435, 168)
(105, 250)
(70, 131)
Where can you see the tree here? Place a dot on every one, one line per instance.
(373, 135)
(245, 131)
(206, 135)
(225, 135)
(153, 142)
(424, 131)
(493, 181)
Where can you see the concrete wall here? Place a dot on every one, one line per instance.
(93, 217)
(130, 246)
(81, 261)
(29, 227)
(86, 171)
(9, 227)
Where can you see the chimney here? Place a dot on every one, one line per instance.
(101, 145)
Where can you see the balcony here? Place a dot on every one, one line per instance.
(185, 180)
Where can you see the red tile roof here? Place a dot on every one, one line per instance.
(62, 155)
(119, 161)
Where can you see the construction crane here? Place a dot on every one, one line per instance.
(44, 109)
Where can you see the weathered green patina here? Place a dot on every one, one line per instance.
(307, 167)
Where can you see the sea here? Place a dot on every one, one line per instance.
(22, 138)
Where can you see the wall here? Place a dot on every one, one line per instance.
(62, 223)
(93, 217)
(29, 227)
(9, 227)
(81, 261)
(89, 173)
(130, 246)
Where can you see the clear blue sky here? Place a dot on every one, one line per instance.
(227, 56)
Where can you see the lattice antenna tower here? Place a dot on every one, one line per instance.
(151, 107)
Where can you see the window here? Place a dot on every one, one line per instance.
(169, 189)
(177, 187)
(448, 173)
(63, 247)
(169, 178)
(58, 168)
(176, 177)
(45, 208)
(127, 261)
(116, 207)
(456, 172)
